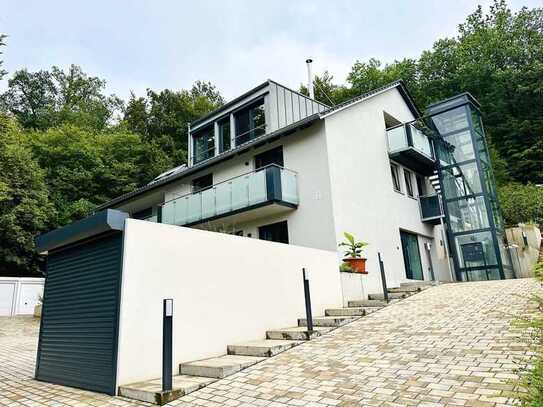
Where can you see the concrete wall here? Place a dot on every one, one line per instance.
(226, 289)
(524, 257)
(19, 295)
(363, 199)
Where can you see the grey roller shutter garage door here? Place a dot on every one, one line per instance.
(78, 335)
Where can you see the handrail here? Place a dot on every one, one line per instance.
(229, 180)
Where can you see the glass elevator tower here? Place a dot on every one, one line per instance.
(473, 220)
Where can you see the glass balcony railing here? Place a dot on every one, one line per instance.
(271, 184)
(408, 136)
(430, 208)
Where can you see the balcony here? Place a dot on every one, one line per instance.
(260, 193)
(430, 209)
(411, 147)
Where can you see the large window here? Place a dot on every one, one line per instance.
(204, 144)
(250, 122)
(273, 156)
(394, 169)
(202, 182)
(224, 135)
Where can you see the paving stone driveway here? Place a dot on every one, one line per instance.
(449, 345)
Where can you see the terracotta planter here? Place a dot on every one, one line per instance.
(358, 264)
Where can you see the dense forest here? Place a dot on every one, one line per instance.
(67, 146)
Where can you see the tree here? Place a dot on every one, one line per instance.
(45, 99)
(2, 43)
(163, 117)
(521, 203)
(25, 210)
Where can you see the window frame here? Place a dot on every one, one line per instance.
(197, 188)
(408, 179)
(395, 173)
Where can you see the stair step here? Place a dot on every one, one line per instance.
(151, 391)
(261, 348)
(327, 321)
(368, 303)
(391, 296)
(406, 289)
(297, 333)
(346, 312)
(218, 367)
(421, 284)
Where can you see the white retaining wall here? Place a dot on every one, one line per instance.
(226, 289)
(19, 295)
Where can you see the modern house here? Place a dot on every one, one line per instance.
(274, 164)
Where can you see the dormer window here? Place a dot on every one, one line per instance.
(250, 122)
(204, 144)
(224, 134)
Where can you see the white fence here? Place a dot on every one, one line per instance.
(226, 289)
(19, 295)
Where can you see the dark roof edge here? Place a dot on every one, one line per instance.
(229, 104)
(400, 84)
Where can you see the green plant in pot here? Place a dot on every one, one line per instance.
(353, 253)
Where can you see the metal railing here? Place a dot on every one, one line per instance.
(430, 206)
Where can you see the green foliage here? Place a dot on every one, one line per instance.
(25, 209)
(530, 385)
(346, 268)
(354, 248)
(45, 99)
(2, 43)
(521, 203)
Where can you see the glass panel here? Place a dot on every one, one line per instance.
(420, 141)
(476, 120)
(289, 186)
(395, 177)
(455, 119)
(461, 180)
(477, 248)
(411, 255)
(194, 207)
(204, 143)
(408, 182)
(180, 216)
(461, 146)
(240, 193)
(257, 187)
(444, 152)
(429, 206)
(491, 273)
(468, 214)
(168, 213)
(223, 197)
(250, 123)
(397, 139)
(224, 135)
(208, 203)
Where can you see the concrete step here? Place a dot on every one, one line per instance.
(346, 312)
(391, 296)
(218, 367)
(151, 391)
(368, 303)
(407, 289)
(297, 333)
(421, 284)
(327, 321)
(261, 348)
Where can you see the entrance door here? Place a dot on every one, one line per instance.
(411, 256)
(276, 232)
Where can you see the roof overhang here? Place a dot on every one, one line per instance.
(99, 223)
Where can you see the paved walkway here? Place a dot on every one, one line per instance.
(449, 345)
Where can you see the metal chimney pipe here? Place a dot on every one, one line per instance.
(310, 78)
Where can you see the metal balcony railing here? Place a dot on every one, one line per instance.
(430, 208)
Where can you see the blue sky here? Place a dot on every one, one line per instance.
(235, 44)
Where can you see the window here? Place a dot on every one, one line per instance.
(421, 186)
(408, 182)
(250, 122)
(224, 135)
(395, 177)
(273, 156)
(276, 232)
(203, 144)
(143, 214)
(203, 182)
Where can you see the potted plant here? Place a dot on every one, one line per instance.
(353, 253)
